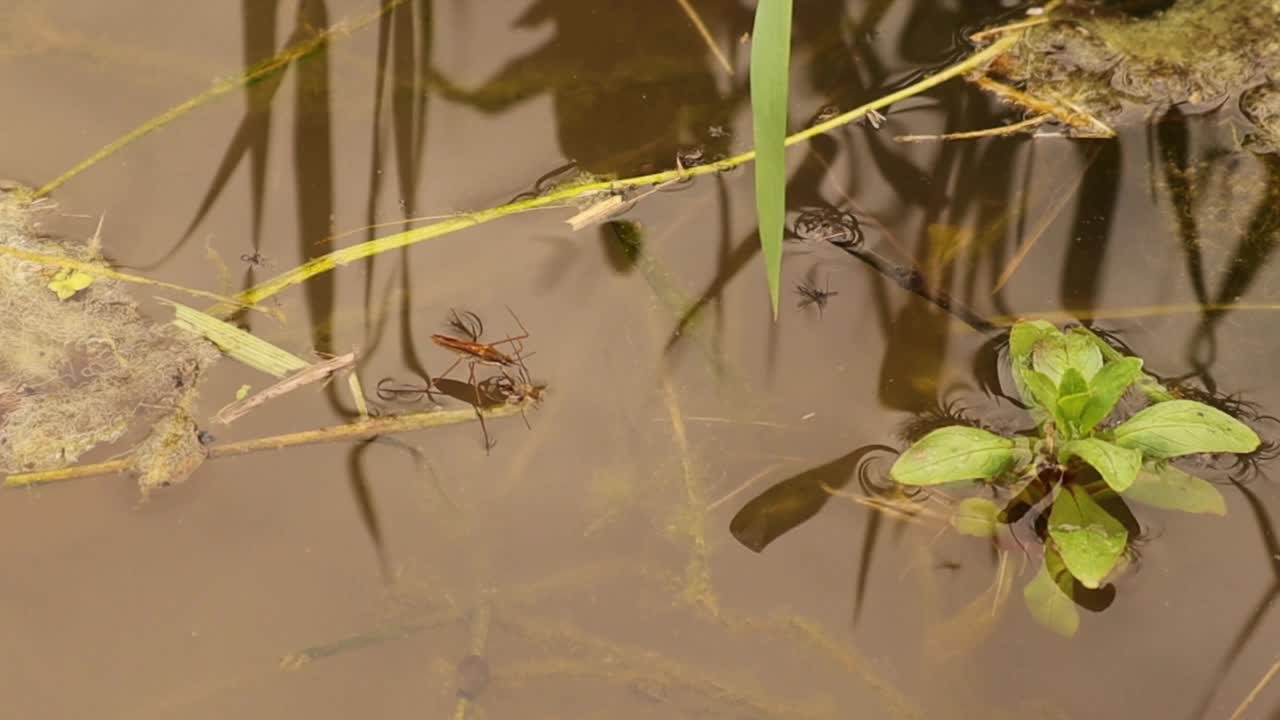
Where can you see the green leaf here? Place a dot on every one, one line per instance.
(1106, 389)
(770, 73)
(955, 453)
(1049, 356)
(1166, 487)
(976, 516)
(1088, 538)
(1147, 385)
(1182, 427)
(1083, 356)
(1041, 392)
(1118, 466)
(1023, 339)
(1073, 395)
(1048, 596)
(1054, 355)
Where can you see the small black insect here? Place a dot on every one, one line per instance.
(811, 294)
(256, 259)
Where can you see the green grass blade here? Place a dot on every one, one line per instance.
(770, 68)
(240, 345)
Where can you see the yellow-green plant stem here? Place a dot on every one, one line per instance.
(220, 88)
(95, 270)
(343, 256)
(350, 431)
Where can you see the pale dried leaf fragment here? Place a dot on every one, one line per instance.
(596, 213)
(308, 375)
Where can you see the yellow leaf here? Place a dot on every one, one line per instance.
(68, 282)
(243, 392)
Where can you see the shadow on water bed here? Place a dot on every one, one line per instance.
(678, 533)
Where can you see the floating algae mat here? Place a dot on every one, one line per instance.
(79, 364)
(1196, 52)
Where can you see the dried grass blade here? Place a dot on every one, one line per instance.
(308, 375)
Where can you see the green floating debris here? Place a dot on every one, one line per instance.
(68, 282)
(236, 343)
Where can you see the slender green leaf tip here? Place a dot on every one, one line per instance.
(770, 71)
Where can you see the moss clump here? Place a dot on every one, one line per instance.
(1261, 105)
(1103, 62)
(77, 369)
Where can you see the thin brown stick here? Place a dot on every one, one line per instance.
(1002, 131)
(351, 431)
(310, 374)
(701, 27)
(375, 426)
(1025, 248)
(1257, 690)
(743, 487)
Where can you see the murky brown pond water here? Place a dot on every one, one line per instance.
(589, 560)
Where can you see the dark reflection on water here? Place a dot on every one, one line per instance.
(591, 565)
(629, 84)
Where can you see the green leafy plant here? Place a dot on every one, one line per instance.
(1079, 465)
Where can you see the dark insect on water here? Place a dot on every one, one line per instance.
(811, 294)
(257, 259)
